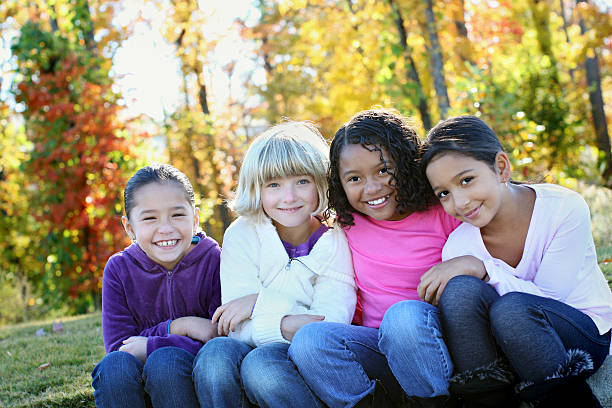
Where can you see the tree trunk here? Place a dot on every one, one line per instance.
(412, 73)
(53, 18)
(203, 99)
(88, 27)
(435, 53)
(221, 208)
(602, 140)
(567, 38)
(540, 12)
(464, 46)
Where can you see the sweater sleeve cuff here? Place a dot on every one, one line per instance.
(492, 268)
(151, 345)
(182, 342)
(267, 329)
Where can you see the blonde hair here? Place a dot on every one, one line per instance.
(285, 150)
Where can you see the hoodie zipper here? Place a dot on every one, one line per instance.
(298, 260)
(170, 304)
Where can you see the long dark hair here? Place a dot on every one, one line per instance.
(466, 135)
(375, 130)
(156, 173)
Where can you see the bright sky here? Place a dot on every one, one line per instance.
(147, 73)
(145, 69)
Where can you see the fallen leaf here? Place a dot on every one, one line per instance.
(605, 261)
(44, 366)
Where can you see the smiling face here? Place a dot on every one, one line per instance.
(290, 202)
(163, 222)
(469, 189)
(365, 180)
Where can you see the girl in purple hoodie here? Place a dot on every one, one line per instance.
(158, 296)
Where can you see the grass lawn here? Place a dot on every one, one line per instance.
(71, 354)
(604, 253)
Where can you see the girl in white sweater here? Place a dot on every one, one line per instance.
(283, 265)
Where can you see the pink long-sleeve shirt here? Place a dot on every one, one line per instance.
(389, 258)
(559, 260)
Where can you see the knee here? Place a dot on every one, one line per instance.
(261, 378)
(167, 364)
(461, 292)
(407, 322)
(312, 340)
(217, 363)
(117, 370)
(509, 313)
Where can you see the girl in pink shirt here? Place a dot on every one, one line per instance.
(396, 231)
(524, 305)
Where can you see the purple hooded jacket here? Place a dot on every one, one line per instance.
(140, 297)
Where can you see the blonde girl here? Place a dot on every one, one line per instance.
(283, 266)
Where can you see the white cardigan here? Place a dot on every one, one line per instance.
(254, 260)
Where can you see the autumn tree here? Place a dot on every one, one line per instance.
(323, 63)
(413, 79)
(593, 80)
(19, 261)
(437, 63)
(199, 141)
(497, 59)
(79, 151)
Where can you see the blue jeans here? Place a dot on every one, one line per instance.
(230, 373)
(341, 363)
(164, 380)
(534, 333)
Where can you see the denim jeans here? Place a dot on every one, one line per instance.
(230, 373)
(341, 363)
(164, 380)
(534, 333)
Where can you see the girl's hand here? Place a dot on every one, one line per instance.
(434, 280)
(197, 328)
(290, 324)
(136, 346)
(229, 315)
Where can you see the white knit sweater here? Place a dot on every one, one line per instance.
(254, 260)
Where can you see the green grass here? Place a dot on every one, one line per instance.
(72, 355)
(605, 253)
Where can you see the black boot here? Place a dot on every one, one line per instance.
(442, 401)
(488, 386)
(574, 393)
(378, 399)
(566, 387)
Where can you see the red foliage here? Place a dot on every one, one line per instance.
(75, 132)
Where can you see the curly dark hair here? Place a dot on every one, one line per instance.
(375, 130)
